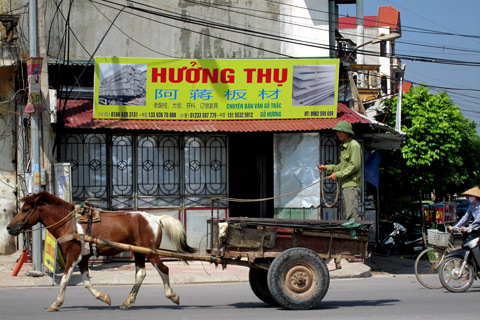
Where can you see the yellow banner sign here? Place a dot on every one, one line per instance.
(182, 89)
(50, 251)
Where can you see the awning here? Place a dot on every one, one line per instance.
(78, 114)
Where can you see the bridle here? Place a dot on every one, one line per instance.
(29, 216)
(70, 215)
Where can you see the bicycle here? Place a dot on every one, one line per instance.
(428, 261)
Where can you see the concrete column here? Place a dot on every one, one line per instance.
(35, 141)
(360, 41)
(360, 30)
(331, 24)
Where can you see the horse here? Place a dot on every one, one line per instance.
(134, 228)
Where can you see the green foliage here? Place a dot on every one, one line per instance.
(470, 151)
(436, 153)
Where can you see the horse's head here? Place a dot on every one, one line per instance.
(28, 215)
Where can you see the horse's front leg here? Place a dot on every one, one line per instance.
(140, 274)
(67, 274)
(83, 265)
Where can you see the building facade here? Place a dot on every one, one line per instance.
(186, 168)
(9, 51)
(374, 66)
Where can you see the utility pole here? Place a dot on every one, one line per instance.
(35, 142)
(398, 115)
(360, 35)
(331, 24)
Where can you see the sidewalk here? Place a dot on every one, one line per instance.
(123, 273)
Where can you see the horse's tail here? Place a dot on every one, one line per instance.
(176, 233)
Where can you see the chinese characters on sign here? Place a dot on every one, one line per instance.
(176, 89)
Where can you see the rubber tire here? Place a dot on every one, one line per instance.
(259, 286)
(387, 249)
(294, 264)
(426, 268)
(446, 275)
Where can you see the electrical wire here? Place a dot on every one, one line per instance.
(131, 38)
(219, 26)
(257, 10)
(405, 57)
(290, 5)
(62, 110)
(216, 25)
(156, 11)
(68, 30)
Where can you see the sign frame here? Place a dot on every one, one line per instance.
(221, 89)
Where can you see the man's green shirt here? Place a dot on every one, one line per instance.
(348, 170)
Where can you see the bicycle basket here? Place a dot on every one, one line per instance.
(438, 238)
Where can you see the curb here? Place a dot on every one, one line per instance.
(124, 274)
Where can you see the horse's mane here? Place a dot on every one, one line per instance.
(47, 198)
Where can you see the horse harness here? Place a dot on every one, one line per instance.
(29, 216)
(85, 213)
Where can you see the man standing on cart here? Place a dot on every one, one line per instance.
(348, 170)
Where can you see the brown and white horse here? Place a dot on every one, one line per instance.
(134, 228)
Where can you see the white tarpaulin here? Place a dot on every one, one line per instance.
(296, 157)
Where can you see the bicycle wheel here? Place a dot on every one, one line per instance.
(455, 278)
(427, 265)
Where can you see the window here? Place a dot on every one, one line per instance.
(87, 156)
(383, 48)
(145, 171)
(384, 85)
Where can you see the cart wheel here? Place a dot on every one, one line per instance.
(258, 283)
(298, 279)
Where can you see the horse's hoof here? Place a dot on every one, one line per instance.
(52, 308)
(176, 299)
(106, 298)
(125, 306)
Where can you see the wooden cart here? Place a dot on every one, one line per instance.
(287, 258)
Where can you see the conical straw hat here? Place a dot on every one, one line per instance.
(472, 192)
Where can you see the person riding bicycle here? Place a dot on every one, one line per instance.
(473, 211)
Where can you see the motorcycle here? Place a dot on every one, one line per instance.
(460, 267)
(398, 240)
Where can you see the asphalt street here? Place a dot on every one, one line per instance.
(381, 296)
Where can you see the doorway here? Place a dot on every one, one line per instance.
(251, 174)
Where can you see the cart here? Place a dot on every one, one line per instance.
(287, 258)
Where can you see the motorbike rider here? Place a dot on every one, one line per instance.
(473, 212)
(457, 271)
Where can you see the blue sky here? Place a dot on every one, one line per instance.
(455, 17)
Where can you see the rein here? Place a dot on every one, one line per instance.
(290, 193)
(322, 192)
(270, 198)
(45, 227)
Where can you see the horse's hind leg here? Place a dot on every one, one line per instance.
(163, 272)
(140, 274)
(83, 266)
